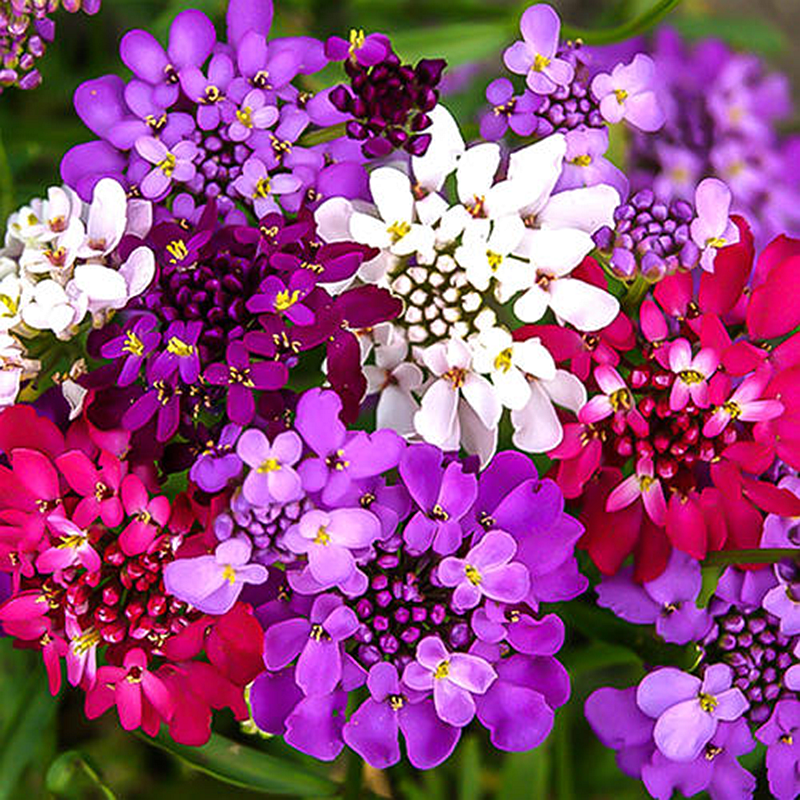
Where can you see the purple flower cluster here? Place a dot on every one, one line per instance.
(215, 120)
(387, 100)
(401, 570)
(677, 733)
(722, 110)
(25, 28)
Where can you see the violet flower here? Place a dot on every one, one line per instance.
(218, 464)
(627, 93)
(781, 735)
(713, 228)
(272, 478)
(138, 340)
(170, 164)
(181, 354)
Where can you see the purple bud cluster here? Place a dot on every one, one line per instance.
(25, 28)
(649, 235)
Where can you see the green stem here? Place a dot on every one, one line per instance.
(323, 135)
(354, 776)
(635, 294)
(6, 186)
(763, 556)
(627, 30)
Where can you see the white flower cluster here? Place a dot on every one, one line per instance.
(60, 262)
(470, 271)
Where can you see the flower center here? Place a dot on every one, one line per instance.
(270, 465)
(716, 241)
(317, 632)
(322, 537)
(438, 513)
(285, 299)
(503, 361)
(540, 62)
(179, 348)
(645, 482)
(357, 39)
(74, 541)
(477, 208)
(262, 188)
(261, 79)
(156, 123)
(620, 400)
(86, 641)
(229, 574)
(494, 259)
(236, 375)
(621, 95)
(473, 576)
(396, 702)
(786, 738)
(168, 164)
(733, 409)
(133, 344)
(456, 376)
(712, 751)
(134, 675)
(10, 305)
(442, 670)
(245, 116)
(691, 377)
(212, 95)
(708, 702)
(102, 492)
(178, 250)
(57, 257)
(397, 230)
(336, 461)
(582, 161)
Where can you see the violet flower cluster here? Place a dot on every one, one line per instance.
(402, 569)
(25, 30)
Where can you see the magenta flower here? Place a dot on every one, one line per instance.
(99, 488)
(73, 548)
(743, 404)
(169, 165)
(692, 374)
(276, 297)
(329, 538)
(453, 677)
(688, 710)
(535, 56)
(213, 583)
(627, 93)
(272, 478)
(139, 695)
(616, 399)
(643, 483)
(181, 354)
(241, 377)
(373, 730)
(317, 641)
(148, 516)
(487, 571)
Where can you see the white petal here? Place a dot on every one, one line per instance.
(482, 396)
(555, 251)
(140, 217)
(459, 354)
(531, 306)
(587, 209)
(513, 389)
(333, 220)
(391, 193)
(537, 169)
(536, 427)
(369, 230)
(431, 208)
(107, 216)
(436, 421)
(435, 358)
(476, 171)
(565, 390)
(138, 271)
(476, 438)
(396, 410)
(507, 233)
(443, 153)
(582, 304)
(534, 358)
(100, 283)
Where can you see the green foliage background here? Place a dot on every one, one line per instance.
(47, 748)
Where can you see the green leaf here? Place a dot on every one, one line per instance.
(457, 43)
(6, 186)
(247, 768)
(525, 775)
(469, 772)
(627, 30)
(767, 555)
(72, 777)
(711, 576)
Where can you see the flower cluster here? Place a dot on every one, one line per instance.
(425, 586)
(721, 113)
(25, 30)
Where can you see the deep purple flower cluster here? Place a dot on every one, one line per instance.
(651, 236)
(388, 101)
(678, 734)
(231, 310)
(25, 28)
(722, 110)
(402, 570)
(221, 121)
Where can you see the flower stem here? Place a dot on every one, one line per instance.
(353, 778)
(769, 555)
(635, 294)
(323, 135)
(627, 30)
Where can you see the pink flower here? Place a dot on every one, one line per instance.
(692, 374)
(742, 405)
(147, 515)
(142, 699)
(73, 548)
(616, 399)
(644, 484)
(99, 488)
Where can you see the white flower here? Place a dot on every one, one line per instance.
(537, 428)
(460, 407)
(51, 308)
(45, 220)
(394, 379)
(15, 294)
(508, 363)
(485, 254)
(396, 230)
(56, 257)
(108, 218)
(12, 366)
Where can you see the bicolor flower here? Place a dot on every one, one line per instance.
(643, 483)
(260, 188)
(616, 399)
(743, 404)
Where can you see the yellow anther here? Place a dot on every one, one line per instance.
(621, 95)
(494, 259)
(503, 360)
(178, 250)
(540, 62)
(322, 537)
(645, 482)
(167, 166)
(691, 377)
(285, 299)
(10, 305)
(270, 465)
(456, 376)
(245, 116)
(442, 670)
(397, 230)
(708, 702)
(229, 573)
(620, 400)
(716, 241)
(179, 348)
(582, 161)
(473, 576)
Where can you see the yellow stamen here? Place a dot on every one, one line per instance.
(473, 576)
(10, 304)
(503, 360)
(86, 641)
(456, 376)
(74, 541)
(229, 573)
(133, 344)
(178, 250)
(323, 537)
(179, 348)
(582, 161)
(691, 377)
(442, 670)
(645, 482)
(733, 409)
(621, 95)
(708, 702)
(494, 259)
(270, 465)
(245, 116)
(357, 39)
(397, 230)
(263, 188)
(167, 166)
(284, 300)
(540, 62)
(620, 400)
(396, 702)
(716, 241)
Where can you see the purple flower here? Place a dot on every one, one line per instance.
(241, 377)
(781, 734)
(784, 602)
(275, 297)
(364, 50)
(341, 458)
(453, 677)
(218, 464)
(444, 496)
(508, 110)
(535, 56)
(256, 184)
(181, 353)
(712, 228)
(212, 584)
(668, 601)
(627, 93)
(272, 478)
(486, 571)
(585, 165)
(138, 340)
(208, 93)
(173, 164)
(162, 398)
(329, 538)
(253, 114)
(688, 710)
(373, 730)
(316, 640)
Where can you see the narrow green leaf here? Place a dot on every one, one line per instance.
(767, 555)
(247, 767)
(627, 30)
(457, 43)
(72, 777)
(711, 576)
(469, 773)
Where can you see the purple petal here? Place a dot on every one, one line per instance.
(144, 56)
(191, 39)
(665, 688)
(454, 705)
(471, 673)
(373, 733)
(315, 725)
(273, 696)
(518, 719)
(319, 667)
(383, 681)
(540, 27)
(429, 741)
(245, 16)
(284, 641)
(431, 651)
(683, 730)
